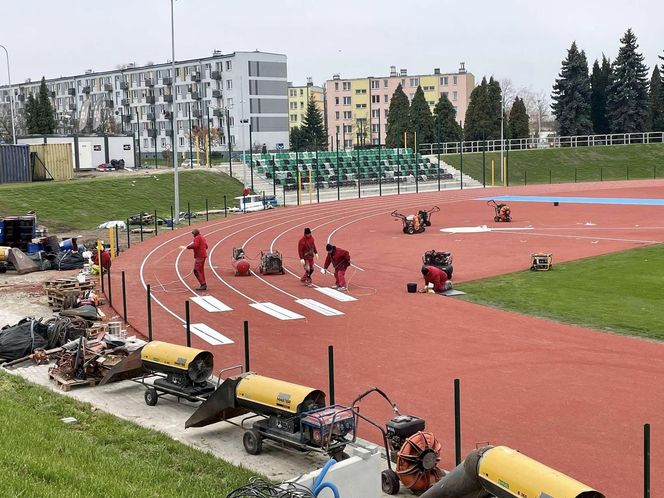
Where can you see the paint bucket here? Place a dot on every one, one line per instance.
(556, 203)
(33, 248)
(4, 253)
(115, 328)
(412, 287)
(66, 245)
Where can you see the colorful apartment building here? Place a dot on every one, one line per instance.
(298, 98)
(357, 108)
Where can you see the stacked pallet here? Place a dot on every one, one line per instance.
(63, 293)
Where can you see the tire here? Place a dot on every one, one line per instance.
(405, 229)
(252, 442)
(260, 269)
(410, 230)
(496, 218)
(389, 481)
(449, 269)
(428, 223)
(151, 396)
(421, 230)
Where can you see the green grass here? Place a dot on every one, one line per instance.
(98, 456)
(617, 162)
(619, 292)
(86, 203)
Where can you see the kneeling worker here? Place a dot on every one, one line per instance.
(435, 279)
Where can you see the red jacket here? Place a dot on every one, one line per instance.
(199, 245)
(437, 277)
(340, 259)
(306, 247)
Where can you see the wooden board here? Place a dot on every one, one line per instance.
(67, 384)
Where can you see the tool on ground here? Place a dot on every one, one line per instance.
(439, 259)
(502, 212)
(541, 261)
(240, 262)
(415, 223)
(414, 453)
(271, 263)
(505, 473)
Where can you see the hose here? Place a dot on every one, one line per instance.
(320, 485)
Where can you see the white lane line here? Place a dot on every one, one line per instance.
(335, 294)
(318, 307)
(211, 304)
(276, 311)
(570, 236)
(208, 334)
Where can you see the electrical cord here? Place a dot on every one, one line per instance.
(258, 488)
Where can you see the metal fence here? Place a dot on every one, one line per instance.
(552, 142)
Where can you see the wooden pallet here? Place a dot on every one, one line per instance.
(67, 384)
(68, 283)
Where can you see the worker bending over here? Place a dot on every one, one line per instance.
(340, 260)
(306, 249)
(435, 279)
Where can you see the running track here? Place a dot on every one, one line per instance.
(573, 398)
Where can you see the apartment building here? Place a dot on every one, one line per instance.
(298, 99)
(357, 108)
(224, 91)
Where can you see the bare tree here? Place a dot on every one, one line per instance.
(538, 108)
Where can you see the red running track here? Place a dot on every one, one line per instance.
(574, 398)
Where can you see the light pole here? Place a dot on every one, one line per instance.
(502, 126)
(11, 95)
(176, 180)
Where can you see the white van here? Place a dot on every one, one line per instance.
(251, 203)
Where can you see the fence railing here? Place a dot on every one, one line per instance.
(552, 142)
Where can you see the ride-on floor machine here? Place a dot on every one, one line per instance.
(415, 223)
(271, 263)
(502, 211)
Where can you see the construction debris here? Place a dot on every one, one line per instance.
(65, 293)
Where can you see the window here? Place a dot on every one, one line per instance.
(336, 115)
(231, 121)
(337, 129)
(375, 84)
(348, 129)
(145, 143)
(229, 84)
(360, 106)
(348, 144)
(414, 81)
(375, 128)
(293, 118)
(293, 105)
(375, 113)
(336, 100)
(163, 143)
(443, 80)
(454, 80)
(229, 103)
(387, 113)
(346, 85)
(347, 100)
(403, 82)
(361, 91)
(431, 103)
(292, 93)
(348, 115)
(181, 141)
(375, 99)
(454, 95)
(385, 83)
(301, 92)
(301, 105)
(429, 88)
(228, 65)
(444, 94)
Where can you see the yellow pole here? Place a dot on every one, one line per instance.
(207, 151)
(503, 171)
(492, 171)
(405, 139)
(198, 150)
(100, 246)
(415, 144)
(111, 238)
(311, 191)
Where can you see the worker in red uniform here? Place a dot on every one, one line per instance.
(340, 260)
(306, 248)
(436, 279)
(200, 247)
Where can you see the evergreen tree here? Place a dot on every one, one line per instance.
(45, 115)
(446, 128)
(298, 139)
(495, 106)
(599, 81)
(518, 121)
(397, 119)
(483, 113)
(627, 93)
(421, 121)
(31, 115)
(571, 95)
(655, 121)
(314, 127)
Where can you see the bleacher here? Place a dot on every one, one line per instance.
(369, 167)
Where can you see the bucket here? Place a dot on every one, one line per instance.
(4, 253)
(412, 287)
(33, 248)
(115, 328)
(66, 245)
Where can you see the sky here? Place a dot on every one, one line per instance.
(517, 40)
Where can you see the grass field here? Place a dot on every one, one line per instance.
(98, 456)
(86, 203)
(619, 292)
(617, 162)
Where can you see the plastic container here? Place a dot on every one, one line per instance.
(115, 328)
(412, 287)
(33, 248)
(66, 245)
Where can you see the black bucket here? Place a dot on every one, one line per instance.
(412, 287)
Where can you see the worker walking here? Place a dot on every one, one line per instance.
(340, 260)
(306, 249)
(200, 247)
(435, 279)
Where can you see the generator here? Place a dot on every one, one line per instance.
(271, 263)
(439, 259)
(288, 414)
(541, 261)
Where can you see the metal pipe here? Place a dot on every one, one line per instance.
(11, 95)
(176, 180)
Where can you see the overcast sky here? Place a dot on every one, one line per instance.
(521, 40)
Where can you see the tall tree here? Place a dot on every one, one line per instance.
(518, 122)
(571, 95)
(298, 139)
(45, 113)
(314, 127)
(599, 81)
(446, 128)
(31, 113)
(397, 119)
(421, 121)
(655, 120)
(483, 113)
(627, 93)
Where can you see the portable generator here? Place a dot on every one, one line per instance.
(541, 261)
(287, 413)
(181, 371)
(414, 453)
(439, 259)
(240, 263)
(271, 263)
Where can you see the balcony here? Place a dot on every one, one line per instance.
(72, 107)
(215, 75)
(71, 91)
(168, 98)
(218, 112)
(124, 102)
(197, 113)
(150, 99)
(148, 82)
(196, 77)
(152, 133)
(150, 116)
(124, 85)
(167, 81)
(195, 95)
(126, 118)
(216, 94)
(86, 89)
(108, 87)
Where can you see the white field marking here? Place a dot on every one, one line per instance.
(276, 311)
(335, 294)
(208, 334)
(318, 307)
(211, 304)
(483, 229)
(613, 239)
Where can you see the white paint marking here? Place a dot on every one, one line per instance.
(211, 304)
(208, 334)
(276, 311)
(482, 229)
(318, 307)
(335, 294)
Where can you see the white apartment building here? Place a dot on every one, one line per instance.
(220, 92)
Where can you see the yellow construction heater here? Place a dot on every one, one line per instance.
(541, 261)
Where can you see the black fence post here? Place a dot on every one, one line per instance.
(646, 461)
(101, 272)
(110, 292)
(461, 166)
(330, 370)
(187, 322)
(246, 346)
(156, 229)
(124, 298)
(283, 185)
(225, 208)
(149, 304)
(628, 172)
(417, 174)
(207, 214)
(128, 237)
(316, 180)
(549, 177)
(525, 177)
(299, 185)
(483, 164)
(398, 173)
(457, 421)
(575, 174)
(117, 240)
(140, 216)
(172, 219)
(189, 212)
(601, 174)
